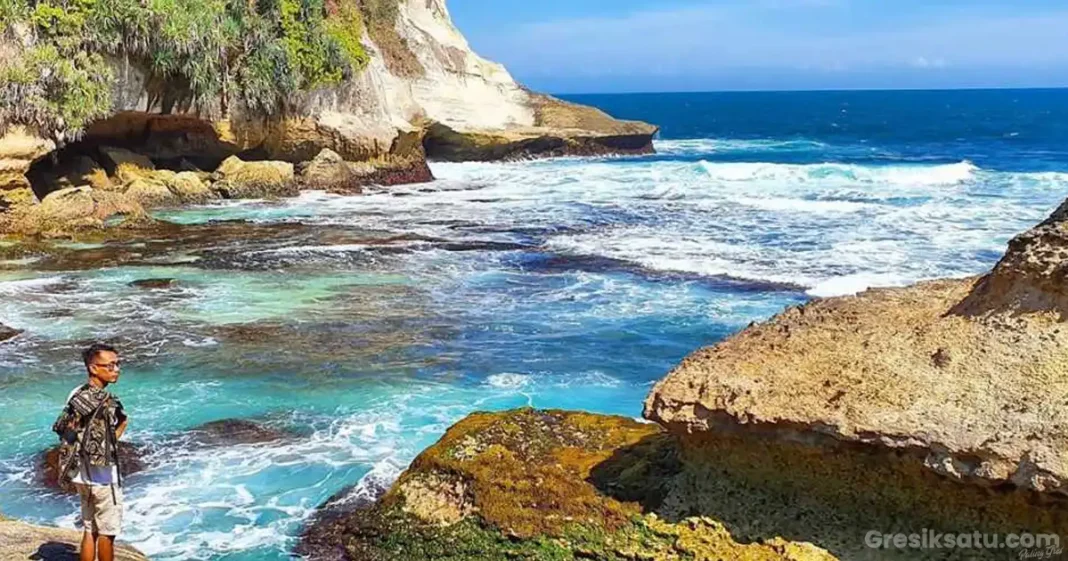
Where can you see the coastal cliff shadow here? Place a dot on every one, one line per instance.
(827, 494)
(640, 473)
(55, 551)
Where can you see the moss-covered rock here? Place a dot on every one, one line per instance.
(529, 484)
(125, 165)
(238, 179)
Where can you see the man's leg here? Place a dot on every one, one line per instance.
(105, 545)
(88, 551)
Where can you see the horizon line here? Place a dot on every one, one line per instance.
(820, 90)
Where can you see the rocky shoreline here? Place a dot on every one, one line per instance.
(421, 93)
(937, 407)
(19, 540)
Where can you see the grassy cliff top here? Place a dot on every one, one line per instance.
(56, 56)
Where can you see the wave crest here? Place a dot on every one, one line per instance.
(944, 174)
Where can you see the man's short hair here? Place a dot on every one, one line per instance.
(89, 354)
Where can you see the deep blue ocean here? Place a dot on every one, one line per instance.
(366, 325)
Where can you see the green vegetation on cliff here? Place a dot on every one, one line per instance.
(197, 54)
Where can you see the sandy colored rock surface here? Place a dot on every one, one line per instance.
(19, 148)
(70, 210)
(238, 179)
(969, 375)
(25, 541)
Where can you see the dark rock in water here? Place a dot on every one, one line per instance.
(234, 431)
(325, 534)
(8, 332)
(131, 461)
(153, 284)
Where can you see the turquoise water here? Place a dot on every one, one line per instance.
(367, 325)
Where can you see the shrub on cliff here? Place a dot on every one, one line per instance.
(197, 54)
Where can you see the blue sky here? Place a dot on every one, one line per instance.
(583, 46)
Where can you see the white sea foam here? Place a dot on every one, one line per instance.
(712, 145)
(838, 174)
(508, 380)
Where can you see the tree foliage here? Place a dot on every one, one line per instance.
(197, 54)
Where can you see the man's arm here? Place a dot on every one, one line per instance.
(122, 428)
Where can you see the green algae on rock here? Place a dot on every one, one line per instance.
(530, 484)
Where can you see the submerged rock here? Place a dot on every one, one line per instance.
(19, 540)
(154, 284)
(7, 333)
(131, 461)
(532, 484)
(228, 432)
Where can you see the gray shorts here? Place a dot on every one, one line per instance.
(101, 510)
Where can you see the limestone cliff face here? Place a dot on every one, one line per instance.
(424, 91)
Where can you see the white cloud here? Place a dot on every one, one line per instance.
(924, 62)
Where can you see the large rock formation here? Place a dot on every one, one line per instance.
(940, 405)
(19, 540)
(833, 430)
(422, 92)
(532, 484)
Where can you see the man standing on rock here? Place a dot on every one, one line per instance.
(89, 428)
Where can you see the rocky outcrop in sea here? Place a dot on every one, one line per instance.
(933, 409)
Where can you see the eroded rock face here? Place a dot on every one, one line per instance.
(1032, 277)
(967, 374)
(19, 148)
(934, 405)
(532, 484)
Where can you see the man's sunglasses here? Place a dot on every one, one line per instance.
(112, 366)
